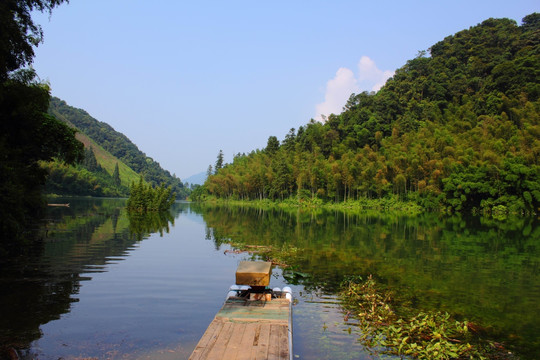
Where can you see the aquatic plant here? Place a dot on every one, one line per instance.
(424, 335)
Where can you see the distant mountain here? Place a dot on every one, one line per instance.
(197, 179)
(118, 145)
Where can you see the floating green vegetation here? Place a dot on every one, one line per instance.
(422, 335)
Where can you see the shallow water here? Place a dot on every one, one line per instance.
(105, 285)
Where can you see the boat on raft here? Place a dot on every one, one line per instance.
(255, 322)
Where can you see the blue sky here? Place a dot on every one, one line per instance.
(185, 79)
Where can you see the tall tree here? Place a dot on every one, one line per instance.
(116, 175)
(272, 145)
(290, 140)
(219, 162)
(90, 161)
(27, 133)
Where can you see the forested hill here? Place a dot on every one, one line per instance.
(117, 144)
(455, 128)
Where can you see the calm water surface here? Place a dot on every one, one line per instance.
(104, 285)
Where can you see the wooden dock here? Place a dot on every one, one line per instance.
(255, 321)
(248, 329)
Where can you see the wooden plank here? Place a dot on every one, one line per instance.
(272, 311)
(255, 342)
(234, 345)
(221, 343)
(273, 347)
(246, 344)
(247, 330)
(264, 340)
(207, 341)
(284, 342)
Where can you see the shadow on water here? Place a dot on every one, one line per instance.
(475, 268)
(43, 278)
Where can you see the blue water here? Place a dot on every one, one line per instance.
(107, 286)
(153, 299)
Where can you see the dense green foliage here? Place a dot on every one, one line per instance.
(99, 174)
(18, 32)
(144, 198)
(118, 145)
(85, 179)
(28, 135)
(472, 267)
(458, 130)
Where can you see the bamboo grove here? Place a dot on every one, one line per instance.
(143, 198)
(457, 130)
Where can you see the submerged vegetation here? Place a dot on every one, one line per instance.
(456, 131)
(421, 335)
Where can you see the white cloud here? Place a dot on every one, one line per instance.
(370, 77)
(340, 88)
(338, 91)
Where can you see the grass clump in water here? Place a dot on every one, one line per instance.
(424, 335)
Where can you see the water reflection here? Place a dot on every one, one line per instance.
(42, 280)
(160, 295)
(476, 268)
(141, 225)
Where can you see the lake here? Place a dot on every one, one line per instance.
(106, 285)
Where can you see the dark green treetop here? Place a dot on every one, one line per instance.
(116, 175)
(219, 161)
(456, 130)
(18, 32)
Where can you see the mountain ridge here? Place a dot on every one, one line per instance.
(456, 131)
(196, 179)
(131, 160)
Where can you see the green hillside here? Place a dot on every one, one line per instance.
(94, 176)
(111, 147)
(108, 161)
(456, 129)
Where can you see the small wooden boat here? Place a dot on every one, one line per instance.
(64, 205)
(255, 321)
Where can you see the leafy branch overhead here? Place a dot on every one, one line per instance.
(28, 134)
(18, 32)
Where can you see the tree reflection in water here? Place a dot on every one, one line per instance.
(141, 225)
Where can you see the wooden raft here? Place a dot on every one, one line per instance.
(249, 330)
